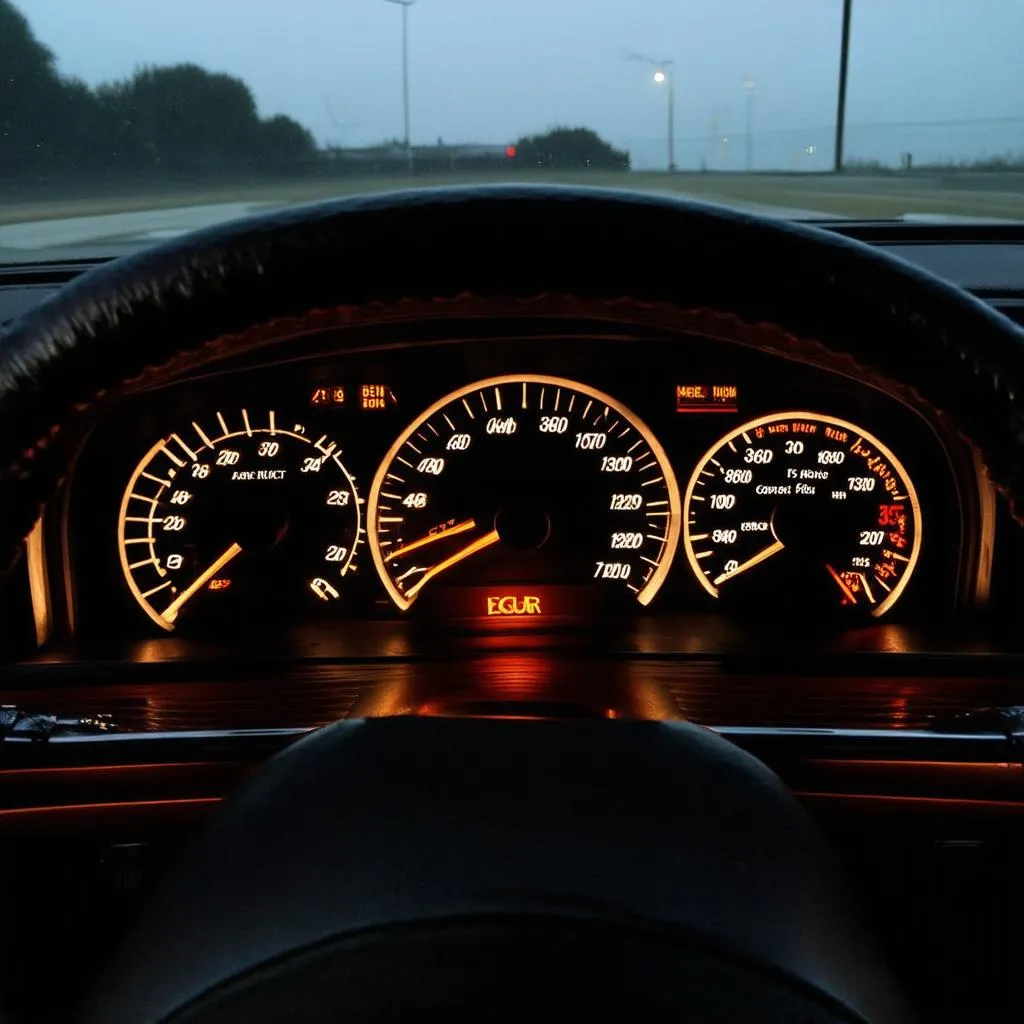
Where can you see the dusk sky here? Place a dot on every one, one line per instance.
(491, 70)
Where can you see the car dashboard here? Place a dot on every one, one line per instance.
(402, 487)
(552, 515)
(624, 477)
(408, 490)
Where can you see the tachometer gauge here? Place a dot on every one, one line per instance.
(801, 508)
(239, 513)
(520, 481)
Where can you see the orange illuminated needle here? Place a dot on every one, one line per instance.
(170, 613)
(764, 553)
(842, 584)
(470, 549)
(415, 545)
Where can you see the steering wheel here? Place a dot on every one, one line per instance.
(426, 889)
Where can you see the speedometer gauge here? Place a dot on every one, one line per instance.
(240, 515)
(520, 481)
(806, 509)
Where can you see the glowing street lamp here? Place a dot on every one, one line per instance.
(663, 75)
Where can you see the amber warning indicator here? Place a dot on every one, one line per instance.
(707, 397)
(513, 604)
(376, 396)
(334, 395)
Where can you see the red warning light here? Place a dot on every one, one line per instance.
(510, 152)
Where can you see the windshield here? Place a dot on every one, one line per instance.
(124, 122)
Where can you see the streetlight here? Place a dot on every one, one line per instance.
(405, 5)
(749, 86)
(663, 75)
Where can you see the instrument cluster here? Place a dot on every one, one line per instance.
(517, 483)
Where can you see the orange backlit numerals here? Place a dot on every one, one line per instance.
(469, 484)
(375, 396)
(706, 398)
(891, 515)
(753, 495)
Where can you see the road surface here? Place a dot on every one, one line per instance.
(68, 228)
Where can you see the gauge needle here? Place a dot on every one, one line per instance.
(170, 613)
(842, 584)
(772, 549)
(470, 549)
(415, 545)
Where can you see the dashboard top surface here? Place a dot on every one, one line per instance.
(988, 261)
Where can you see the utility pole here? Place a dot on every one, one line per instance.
(405, 5)
(671, 121)
(844, 52)
(749, 87)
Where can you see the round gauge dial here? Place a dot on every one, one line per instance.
(235, 514)
(803, 508)
(525, 480)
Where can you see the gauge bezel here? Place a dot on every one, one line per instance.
(827, 418)
(647, 593)
(189, 456)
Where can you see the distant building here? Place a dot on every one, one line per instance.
(393, 157)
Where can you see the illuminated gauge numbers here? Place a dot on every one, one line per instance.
(520, 481)
(803, 509)
(240, 513)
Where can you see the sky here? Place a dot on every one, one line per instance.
(492, 70)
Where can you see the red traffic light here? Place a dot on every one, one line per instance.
(510, 152)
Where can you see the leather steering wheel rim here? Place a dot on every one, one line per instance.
(873, 314)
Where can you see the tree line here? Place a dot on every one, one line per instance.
(569, 148)
(182, 118)
(174, 118)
